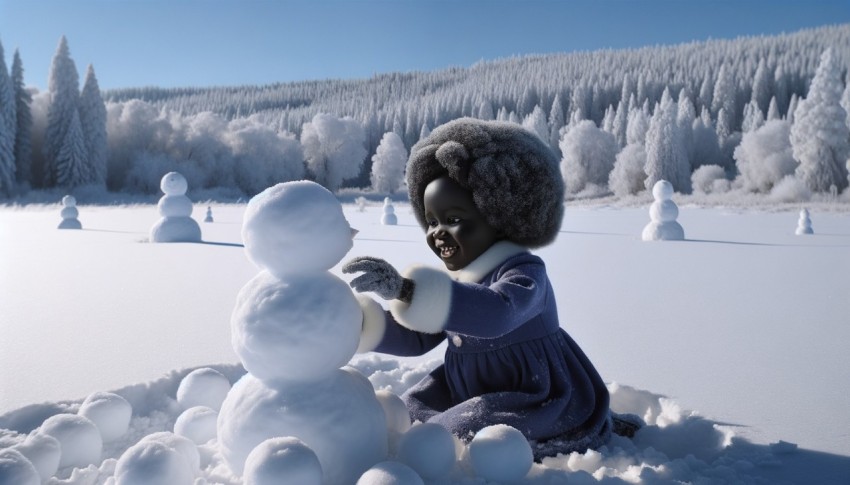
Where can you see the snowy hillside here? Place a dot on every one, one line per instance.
(731, 344)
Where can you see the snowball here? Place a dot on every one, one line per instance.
(152, 463)
(295, 227)
(69, 201)
(173, 183)
(398, 417)
(663, 231)
(197, 423)
(203, 387)
(175, 206)
(390, 473)
(175, 229)
(662, 190)
(303, 328)
(282, 460)
(663, 211)
(337, 417)
(429, 449)
(111, 414)
(181, 444)
(78, 438)
(500, 453)
(15, 469)
(43, 452)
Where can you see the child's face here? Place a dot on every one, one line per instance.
(457, 232)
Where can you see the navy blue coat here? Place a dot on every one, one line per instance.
(508, 360)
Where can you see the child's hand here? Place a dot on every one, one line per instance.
(378, 277)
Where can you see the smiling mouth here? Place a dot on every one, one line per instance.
(446, 250)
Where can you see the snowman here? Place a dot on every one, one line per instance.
(176, 223)
(389, 218)
(294, 327)
(663, 213)
(69, 213)
(804, 223)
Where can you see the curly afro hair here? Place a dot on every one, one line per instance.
(513, 176)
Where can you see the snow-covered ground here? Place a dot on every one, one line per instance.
(741, 330)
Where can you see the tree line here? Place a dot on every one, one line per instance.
(708, 116)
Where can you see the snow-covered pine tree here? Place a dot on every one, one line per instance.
(63, 86)
(485, 110)
(71, 167)
(23, 131)
(93, 122)
(724, 99)
(424, 132)
(556, 122)
(773, 110)
(762, 86)
(753, 117)
(666, 157)
(8, 124)
(536, 123)
(820, 138)
(845, 97)
(621, 122)
(388, 164)
(685, 115)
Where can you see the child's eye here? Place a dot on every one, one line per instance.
(431, 222)
(453, 220)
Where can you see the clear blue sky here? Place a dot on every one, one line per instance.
(231, 42)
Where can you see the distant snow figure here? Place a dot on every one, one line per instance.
(663, 213)
(361, 204)
(389, 218)
(209, 216)
(176, 224)
(804, 223)
(294, 327)
(69, 213)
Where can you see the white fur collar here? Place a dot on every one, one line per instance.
(487, 262)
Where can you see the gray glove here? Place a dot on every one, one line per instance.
(379, 277)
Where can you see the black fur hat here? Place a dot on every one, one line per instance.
(513, 176)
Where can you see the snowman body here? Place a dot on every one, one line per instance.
(294, 327)
(175, 209)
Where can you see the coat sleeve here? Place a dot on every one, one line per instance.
(382, 333)
(513, 296)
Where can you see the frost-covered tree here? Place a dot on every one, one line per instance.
(485, 110)
(762, 86)
(845, 97)
(685, 116)
(753, 117)
(706, 145)
(588, 156)
(723, 100)
(556, 122)
(71, 169)
(263, 157)
(425, 132)
(666, 157)
(63, 86)
(764, 157)
(8, 125)
(93, 121)
(388, 164)
(637, 127)
(628, 175)
(536, 123)
(820, 138)
(621, 123)
(23, 130)
(333, 148)
(773, 110)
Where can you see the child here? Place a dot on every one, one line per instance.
(485, 192)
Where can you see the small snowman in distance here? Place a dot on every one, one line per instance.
(176, 223)
(804, 223)
(389, 218)
(663, 214)
(361, 204)
(69, 213)
(294, 327)
(209, 216)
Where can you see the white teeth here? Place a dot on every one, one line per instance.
(447, 251)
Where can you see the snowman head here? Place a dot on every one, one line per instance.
(69, 201)
(295, 227)
(173, 183)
